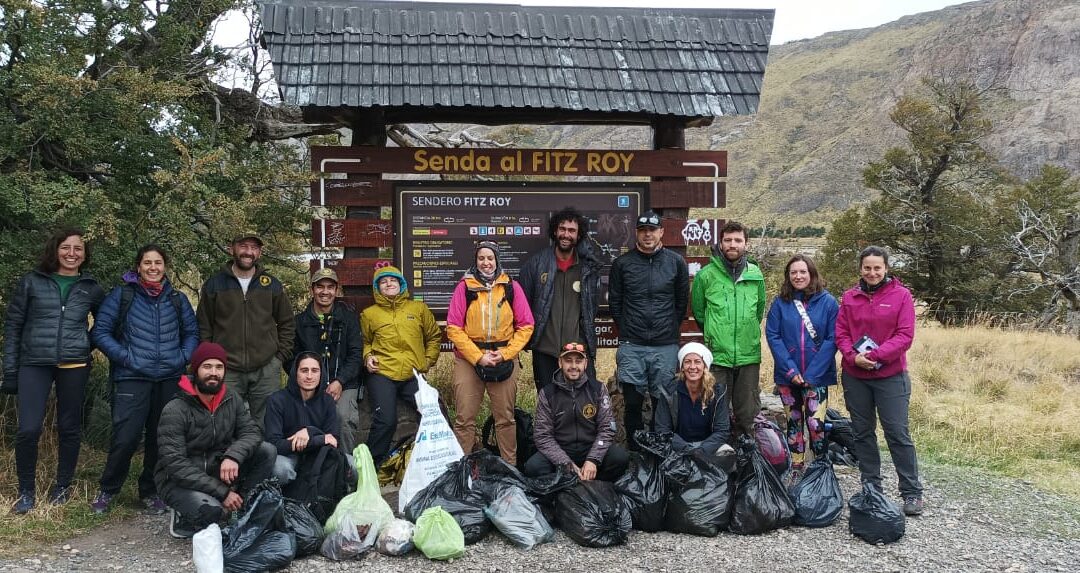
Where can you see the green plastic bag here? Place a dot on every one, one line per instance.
(438, 536)
(365, 506)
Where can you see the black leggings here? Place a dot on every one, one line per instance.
(35, 384)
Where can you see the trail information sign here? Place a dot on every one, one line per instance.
(439, 225)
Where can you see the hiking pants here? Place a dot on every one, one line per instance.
(887, 399)
(35, 384)
(384, 394)
(469, 394)
(744, 392)
(136, 410)
(199, 509)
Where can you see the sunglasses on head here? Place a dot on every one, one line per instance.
(573, 347)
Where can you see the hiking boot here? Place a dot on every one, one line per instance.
(154, 505)
(100, 505)
(24, 503)
(59, 494)
(178, 527)
(913, 505)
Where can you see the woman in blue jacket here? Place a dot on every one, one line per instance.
(148, 331)
(800, 330)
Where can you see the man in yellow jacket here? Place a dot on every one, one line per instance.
(400, 334)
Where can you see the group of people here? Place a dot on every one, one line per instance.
(212, 434)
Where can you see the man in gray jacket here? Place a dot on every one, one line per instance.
(574, 425)
(562, 284)
(210, 452)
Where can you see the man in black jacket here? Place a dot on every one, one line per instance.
(562, 284)
(648, 293)
(328, 328)
(210, 452)
(300, 417)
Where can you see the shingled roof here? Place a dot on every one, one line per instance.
(501, 63)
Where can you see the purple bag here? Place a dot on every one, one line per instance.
(772, 444)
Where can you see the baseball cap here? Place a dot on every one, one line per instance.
(572, 348)
(324, 273)
(248, 234)
(648, 219)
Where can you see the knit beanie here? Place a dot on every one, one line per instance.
(205, 351)
(696, 348)
(389, 271)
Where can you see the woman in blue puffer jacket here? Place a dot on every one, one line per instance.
(804, 350)
(148, 330)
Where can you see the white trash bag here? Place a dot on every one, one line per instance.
(206, 551)
(434, 448)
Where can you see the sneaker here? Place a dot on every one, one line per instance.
(154, 505)
(59, 495)
(24, 503)
(725, 450)
(178, 528)
(101, 503)
(913, 505)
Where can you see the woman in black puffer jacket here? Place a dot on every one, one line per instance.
(149, 331)
(47, 340)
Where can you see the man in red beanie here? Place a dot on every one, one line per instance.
(210, 450)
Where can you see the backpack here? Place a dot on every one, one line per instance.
(525, 445)
(127, 296)
(321, 481)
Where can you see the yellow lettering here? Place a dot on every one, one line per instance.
(592, 162)
(483, 163)
(537, 160)
(627, 159)
(610, 162)
(421, 162)
(571, 157)
(507, 163)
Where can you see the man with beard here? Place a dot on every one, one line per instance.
(574, 425)
(210, 452)
(728, 301)
(247, 312)
(331, 330)
(648, 292)
(562, 285)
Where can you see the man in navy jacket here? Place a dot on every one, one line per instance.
(300, 417)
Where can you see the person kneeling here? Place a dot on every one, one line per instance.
(301, 418)
(695, 411)
(574, 425)
(209, 448)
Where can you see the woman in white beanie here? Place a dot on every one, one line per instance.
(694, 408)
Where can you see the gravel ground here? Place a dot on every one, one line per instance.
(974, 521)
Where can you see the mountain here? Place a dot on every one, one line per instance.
(825, 105)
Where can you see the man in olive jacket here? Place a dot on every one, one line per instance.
(210, 452)
(728, 301)
(247, 312)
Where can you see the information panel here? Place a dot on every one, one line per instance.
(439, 225)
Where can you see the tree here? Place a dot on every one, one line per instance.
(112, 121)
(1042, 232)
(936, 200)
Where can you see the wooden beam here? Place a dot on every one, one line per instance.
(674, 194)
(373, 233)
(351, 272)
(474, 161)
(358, 191)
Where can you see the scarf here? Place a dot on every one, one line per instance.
(152, 289)
(870, 289)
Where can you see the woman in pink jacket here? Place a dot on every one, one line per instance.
(874, 330)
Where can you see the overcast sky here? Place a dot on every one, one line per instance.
(795, 19)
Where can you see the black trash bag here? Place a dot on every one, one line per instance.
(451, 491)
(261, 513)
(817, 498)
(873, 517)
(592, 515)
(643, 492)
(524, 432)
(841, 439)
(271, 551)
(543, 489)
(301, 521)
(699, 494)
(658, 444)
(760, 502)
(518, 519)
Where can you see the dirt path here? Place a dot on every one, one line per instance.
(974, 522)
